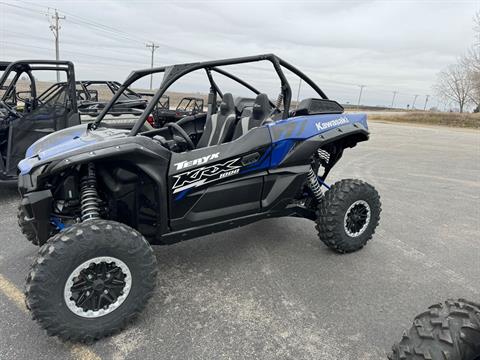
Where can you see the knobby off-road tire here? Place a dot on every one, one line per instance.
(81, 258)
(344, 200)
(448, 331)
(25, 226)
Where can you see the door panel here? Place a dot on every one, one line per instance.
(218, 182)
(222, 202)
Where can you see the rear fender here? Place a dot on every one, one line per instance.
(345, 136)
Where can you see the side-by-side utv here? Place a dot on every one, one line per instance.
(28, 113)
(93, 95)
(96, 199)
(31, 108)
(188, 106)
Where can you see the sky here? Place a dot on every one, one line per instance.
(384, 45)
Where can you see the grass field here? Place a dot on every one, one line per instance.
(465, 120)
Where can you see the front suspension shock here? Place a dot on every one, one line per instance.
(89, 198)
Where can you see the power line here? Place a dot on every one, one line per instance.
(111, 59)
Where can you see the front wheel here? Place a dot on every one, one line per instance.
(90, 280)
(348, 215)
(25, 227)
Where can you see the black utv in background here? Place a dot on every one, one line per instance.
(188, 106)
(93, 95)
(28, 115)
(29, 112)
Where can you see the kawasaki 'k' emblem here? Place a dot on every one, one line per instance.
(205, 175)
(185, 164)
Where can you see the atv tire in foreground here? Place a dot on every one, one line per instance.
(91, 280)
(348, 215)
(447, 331)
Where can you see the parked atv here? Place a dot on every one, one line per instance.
(449, 330)
(188, 106)
(28, 113)
(93, 95)
(97, 199)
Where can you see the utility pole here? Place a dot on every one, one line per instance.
(360, 95)
(153, 47)
(298, 93)
(426, 100)
(393, 99)
(414, 99)
(55, 27)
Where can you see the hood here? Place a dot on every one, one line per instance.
(63, 141)
(56, 139)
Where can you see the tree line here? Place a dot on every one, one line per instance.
(459, 83)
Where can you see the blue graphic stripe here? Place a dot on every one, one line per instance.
(280, 150)
(182, 194)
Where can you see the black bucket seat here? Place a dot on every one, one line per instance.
(219, 127)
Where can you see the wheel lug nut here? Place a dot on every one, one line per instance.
(105, 291)
(108, 276)
(88, 293)
(90, 277)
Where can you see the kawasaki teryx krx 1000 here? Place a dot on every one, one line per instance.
(96, 199)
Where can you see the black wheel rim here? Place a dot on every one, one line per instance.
(357, 218)
(97, 287)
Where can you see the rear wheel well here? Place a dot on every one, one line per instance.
(328, 154)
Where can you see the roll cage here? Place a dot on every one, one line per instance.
(113, 86)
(27, 67)
(174, 72)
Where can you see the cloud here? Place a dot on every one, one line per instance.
(386, 45)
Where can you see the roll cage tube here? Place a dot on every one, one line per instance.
(175, 72)
(213, 84)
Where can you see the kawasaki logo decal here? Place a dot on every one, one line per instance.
(328, 124)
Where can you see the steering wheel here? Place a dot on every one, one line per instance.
(175, 128)
(10, 109)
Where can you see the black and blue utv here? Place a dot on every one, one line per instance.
(96, 199)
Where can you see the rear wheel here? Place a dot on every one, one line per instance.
(447, 331)
(90, 280)
(348, 215)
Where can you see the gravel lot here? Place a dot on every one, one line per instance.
(272, 290)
